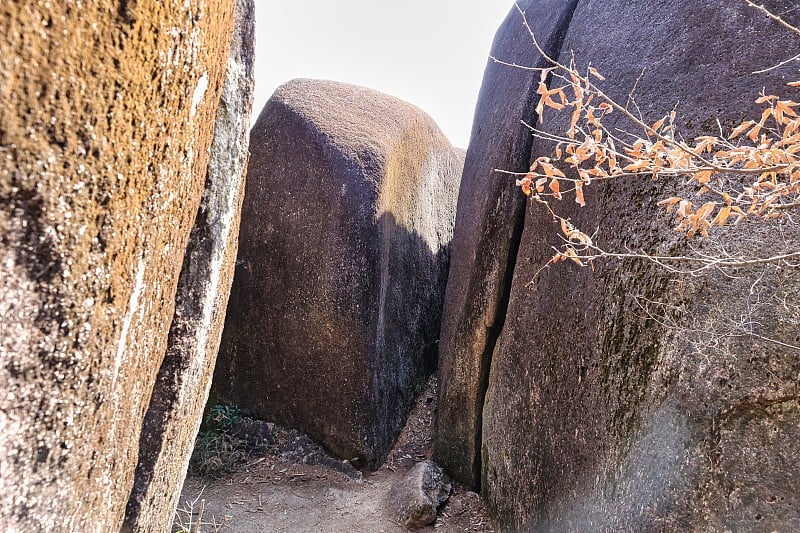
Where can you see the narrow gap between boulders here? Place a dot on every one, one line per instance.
(291, 484)
(496, 330)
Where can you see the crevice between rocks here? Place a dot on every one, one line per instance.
(553, 49)
(195, 274)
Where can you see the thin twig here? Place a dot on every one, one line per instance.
(779, 65)
(773, 16)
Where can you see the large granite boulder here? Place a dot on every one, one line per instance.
(625, 397)
(181, 390)
(107, 114)
(334, 315)
(487, 232)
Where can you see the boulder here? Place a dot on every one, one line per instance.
(413, 500)
(603, 410)
(106, 118)
(487, 232)
(181, 390)
(335, 307)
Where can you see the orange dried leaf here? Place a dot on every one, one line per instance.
(579, 194)
(637, 166)
(593, 71)
(722, 216)
(556, 188)
(741, 128)
(702, 177)
(705, 211)
(570, 254)
(753, 133)
(705, 143)
(550, 103)
(541, 89)
(765, 115)
(550, 170)
(669, 202)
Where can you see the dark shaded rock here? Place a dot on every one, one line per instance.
(334, 316)
(106, 118)
(599, 414)
(299, 448)
(487, 231)
(255, 434)
(413, 500)
(176, 406)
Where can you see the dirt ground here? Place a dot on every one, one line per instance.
(296, 487)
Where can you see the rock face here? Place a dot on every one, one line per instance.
(335, 307)
(106, 118)
(604, 415)
(176, 406)
(487, 233)
(413, 500)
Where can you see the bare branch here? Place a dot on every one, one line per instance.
(773, 16)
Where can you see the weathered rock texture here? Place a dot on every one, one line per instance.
(487, 232)
(599, 415)
(106, 116)
(414, 499)
(335, 306)
(176, 406)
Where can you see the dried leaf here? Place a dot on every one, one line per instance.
(555, 187)
(593, 71)
(525, 183)
(741, 128)
(570, 254)
(566, 227)
(551, 103)
(669, 202)
(540, 111)
(722, 216)
(579, 194)
(766, 98)
(636, 166)
(702, 177)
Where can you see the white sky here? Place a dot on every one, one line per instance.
(431, 53)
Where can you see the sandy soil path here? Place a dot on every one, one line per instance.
(281, 492)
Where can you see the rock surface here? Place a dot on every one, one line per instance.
(604, 412)
(106, 116)
(487, 232)
(335, 306)
(414, 499)
(176, 406)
